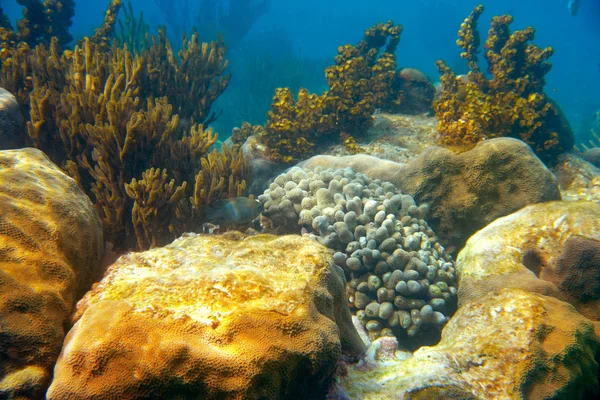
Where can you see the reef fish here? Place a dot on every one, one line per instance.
(573, 6)
(233, 211)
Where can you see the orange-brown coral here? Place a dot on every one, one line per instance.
(50, 250)
(511, 102)
(360, 81)
(113, 119)
(175, 321)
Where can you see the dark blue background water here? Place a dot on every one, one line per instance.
(295, 39)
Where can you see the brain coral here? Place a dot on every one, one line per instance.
(210, 317)
(50, 247)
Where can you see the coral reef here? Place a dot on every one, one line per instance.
(50, 250)
(464, 191)
(509, 344)
(513, 335)
(129, 128)
(360, 81)
(11, 122)
(401, 282)
(534, 239)
(174, 321)
(578, 179)
(511, 102)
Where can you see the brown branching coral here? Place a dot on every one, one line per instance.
(222, 175)
(155, 199)
(43, 20)
(113, 121)
(509, 103)
(106, 31)
(192, 81)
(361, 80)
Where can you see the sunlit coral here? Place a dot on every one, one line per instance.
(511, 102)
(361, 80)
(129, 127)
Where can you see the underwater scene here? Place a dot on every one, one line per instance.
(316, 199)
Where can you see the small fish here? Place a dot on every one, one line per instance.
(573, 6)
(233, 211)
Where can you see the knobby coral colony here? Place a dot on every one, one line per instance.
(362, 79)
(129, 128)
(511, 102)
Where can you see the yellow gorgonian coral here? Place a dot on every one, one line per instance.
(510, 102)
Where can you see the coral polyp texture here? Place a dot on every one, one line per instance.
(511, 102)
(50, 250)
(401, 281)
(212, 317)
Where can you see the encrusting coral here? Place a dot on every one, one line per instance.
(131, 128)
(511, 102)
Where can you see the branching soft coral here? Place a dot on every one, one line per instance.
(128, 129)
(509, 103)
(361, 80)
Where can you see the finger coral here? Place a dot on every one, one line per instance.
(511, 102)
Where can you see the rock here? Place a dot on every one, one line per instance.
(50, 249)
(516, 250)
(464, 191)
(576, 274)
(592, 156)
(578, 179)
(12, 125)
(417, 92)
(510, 344)
(225, 317)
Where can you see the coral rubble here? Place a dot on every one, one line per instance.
(226, 317)
(50, 250)
(511, 102)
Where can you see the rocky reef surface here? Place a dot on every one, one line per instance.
(50, 251)
(514, 336)
(224, 316)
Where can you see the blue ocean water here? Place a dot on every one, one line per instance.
(290, 42)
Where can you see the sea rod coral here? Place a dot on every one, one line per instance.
(511, 102)
(131, 129)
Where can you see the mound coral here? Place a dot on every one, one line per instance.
(131, 128)
(175, 322)
(401, 281)
(511, 102)
(50, 250)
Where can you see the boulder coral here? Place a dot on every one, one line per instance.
(464, 191)
(527, 250)
(513, 335)
(211, 317)
(50, 249)
(11, 122)
(511, 344)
